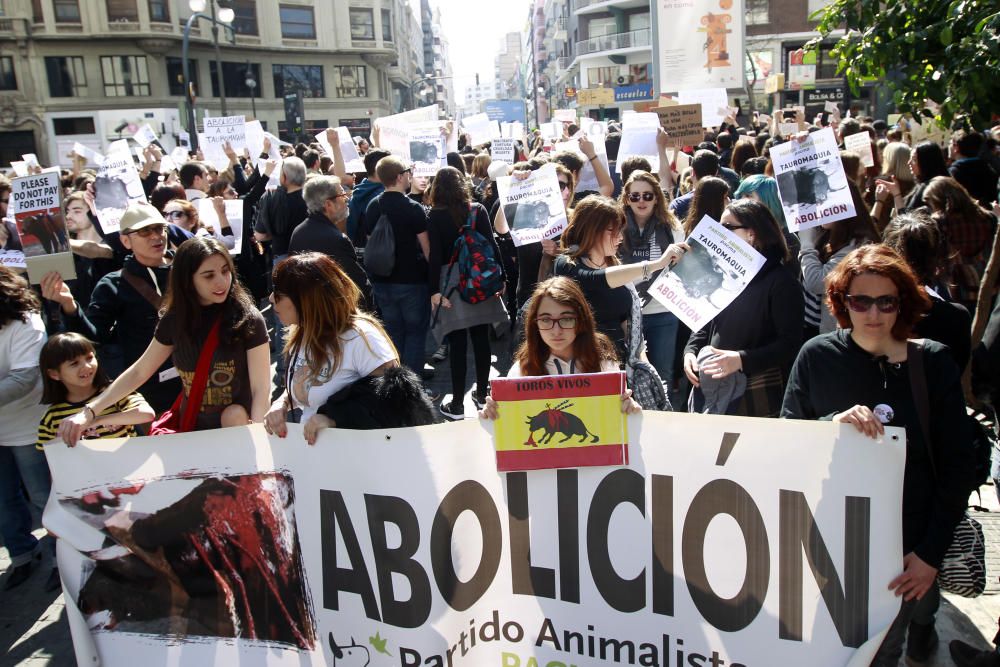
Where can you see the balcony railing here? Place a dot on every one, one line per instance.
(614, 42)
(562, 63)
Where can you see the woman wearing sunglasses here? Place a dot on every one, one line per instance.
(860, 375)
(650, 228)
(184, 214)
(759, 333)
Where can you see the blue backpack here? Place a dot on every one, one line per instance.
(480, 274)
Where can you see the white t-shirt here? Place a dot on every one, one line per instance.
(20, 345)
(365, 348)
(558, 367)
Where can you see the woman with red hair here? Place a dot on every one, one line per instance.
(870, 375)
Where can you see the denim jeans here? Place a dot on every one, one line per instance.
(21, 464)
(279, 337)
(660, 331)
(406, 313)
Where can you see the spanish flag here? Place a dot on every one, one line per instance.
(560, 421)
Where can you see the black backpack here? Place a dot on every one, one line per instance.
(380, 252)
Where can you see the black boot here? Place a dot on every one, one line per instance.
(53, 583)
(965, 655)
(19, 574)
(921, 640)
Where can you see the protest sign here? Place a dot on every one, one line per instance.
(712, 100)
(726, 540)
(709, 277)
(502, 150)
(552, 130)
(533, 206)
(117, 184)
(234, 216)
(20, 167)
(353, 163)
(587, 181)
(584, 410)
(427, 148)
(788, 129)
(422, 115)
(861, 143)
(145, 135)
(564, 115)
(700, 44)
(683, 123)
(92, 157)
(36, 204)
(218, 132)
(31, 160)
(11, 258)
(480, 129)
(811, 181)
(255, 138)
(639, 139)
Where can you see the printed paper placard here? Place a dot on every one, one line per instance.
(682, 122)
(503, 150)
(564, 115)
(218, 131)
(533, 206)
(861, 143)
(481, 129)
(353, 163)
(117, 184)
(145, 135)
(709, 277)
(560, 421)
(20, 167)
(811, 181)
(639, 139)
(712, 101)
(234, 216)
(427, 148)
(700, 44)
(36, 204)
(587, 182)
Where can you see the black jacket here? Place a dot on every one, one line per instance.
(977, 176)
(318, 234)
(395, 399)
(832, 374)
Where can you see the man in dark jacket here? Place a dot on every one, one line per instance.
(124, 308)
(364, 192)
(968, 168)
(322, 231)
(283, 209)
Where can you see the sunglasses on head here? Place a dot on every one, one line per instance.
(862, 303)
(170, 215)
(563, 185)
(641, 196)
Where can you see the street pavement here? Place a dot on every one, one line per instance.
(34, 631)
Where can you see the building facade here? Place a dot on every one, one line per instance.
(89, 70)
(475, 96)
(440, 87)
(508, 83)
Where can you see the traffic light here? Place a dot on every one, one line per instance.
(294, 114)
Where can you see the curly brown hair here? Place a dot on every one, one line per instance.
(16, 298)
(882, 261)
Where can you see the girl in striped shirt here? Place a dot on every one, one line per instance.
(70, 378)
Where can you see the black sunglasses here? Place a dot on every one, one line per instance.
(862, 303)
(733, 228)
(563, 185)
(641, 196)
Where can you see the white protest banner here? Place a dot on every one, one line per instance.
(533, 206)
(119, 147)
(811, 181)
(639, 139)
(788, 129)
(564, 115)
(682, 122)
(709, 277)
(480, 129)
(712, 101)
(31, 160)
(145, 135)
(255, 138)
(348, 150)
(861, 143)
(422, 115)
(700, 44)
(92, 157)
(117, 184)
(274, 180)
(503, 150)
(552, 130)
(728, 541)
(20, 167)
(179, 156)
(587, 181)
(427, 148)
(12, 258)
(36, 204)
(219, 131)
(234, 216)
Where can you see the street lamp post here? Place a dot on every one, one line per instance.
(252, 85)
(423, 80)
(225, 18)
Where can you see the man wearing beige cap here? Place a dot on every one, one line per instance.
(124, 307)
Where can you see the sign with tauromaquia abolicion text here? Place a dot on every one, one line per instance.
(728, 541)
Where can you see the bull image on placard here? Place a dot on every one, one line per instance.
(557, 420)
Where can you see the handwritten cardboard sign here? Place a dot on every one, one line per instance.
(683, 123)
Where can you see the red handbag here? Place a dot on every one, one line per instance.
(175, 420)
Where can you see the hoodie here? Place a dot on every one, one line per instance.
(363, 193)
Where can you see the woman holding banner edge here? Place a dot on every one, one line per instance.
(868, 374)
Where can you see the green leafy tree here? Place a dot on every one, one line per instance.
(941, 50)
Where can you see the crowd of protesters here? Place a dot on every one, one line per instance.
(165, 329)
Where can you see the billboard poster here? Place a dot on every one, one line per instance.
(700, 44)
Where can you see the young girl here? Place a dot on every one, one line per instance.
(561, 338)
(70, 378)
(201, 292)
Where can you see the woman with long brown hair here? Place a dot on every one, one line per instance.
(330, 342)
(711, 196)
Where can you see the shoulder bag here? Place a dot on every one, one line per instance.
(176, 420)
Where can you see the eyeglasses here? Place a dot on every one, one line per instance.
(342, 194)
(862, 303)
(546, 323)
(407, 171)
(146, 232)
(641, 196)
(733, 228)
(563, 185)
(4, 201)
(174, 215)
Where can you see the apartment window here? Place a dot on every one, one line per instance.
(362, 24)
(122, 10)
(386, 25)
(602, 76)
(297, 22)
(175, 75)
(350, 81)
(7, 79)
(74, 125)
(67, 11)
(125, 76)
(757, 12)
(159, 11)
(307, 78)
(245, 21)
(36, 11)
(234, 78)
(66, 76)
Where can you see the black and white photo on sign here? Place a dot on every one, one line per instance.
(36, 204)
(812, 184)
(116, 185)
(716, 269)
(427, 147)
(639, 139)
(533, 205)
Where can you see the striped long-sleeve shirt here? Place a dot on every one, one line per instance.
(48, 428)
